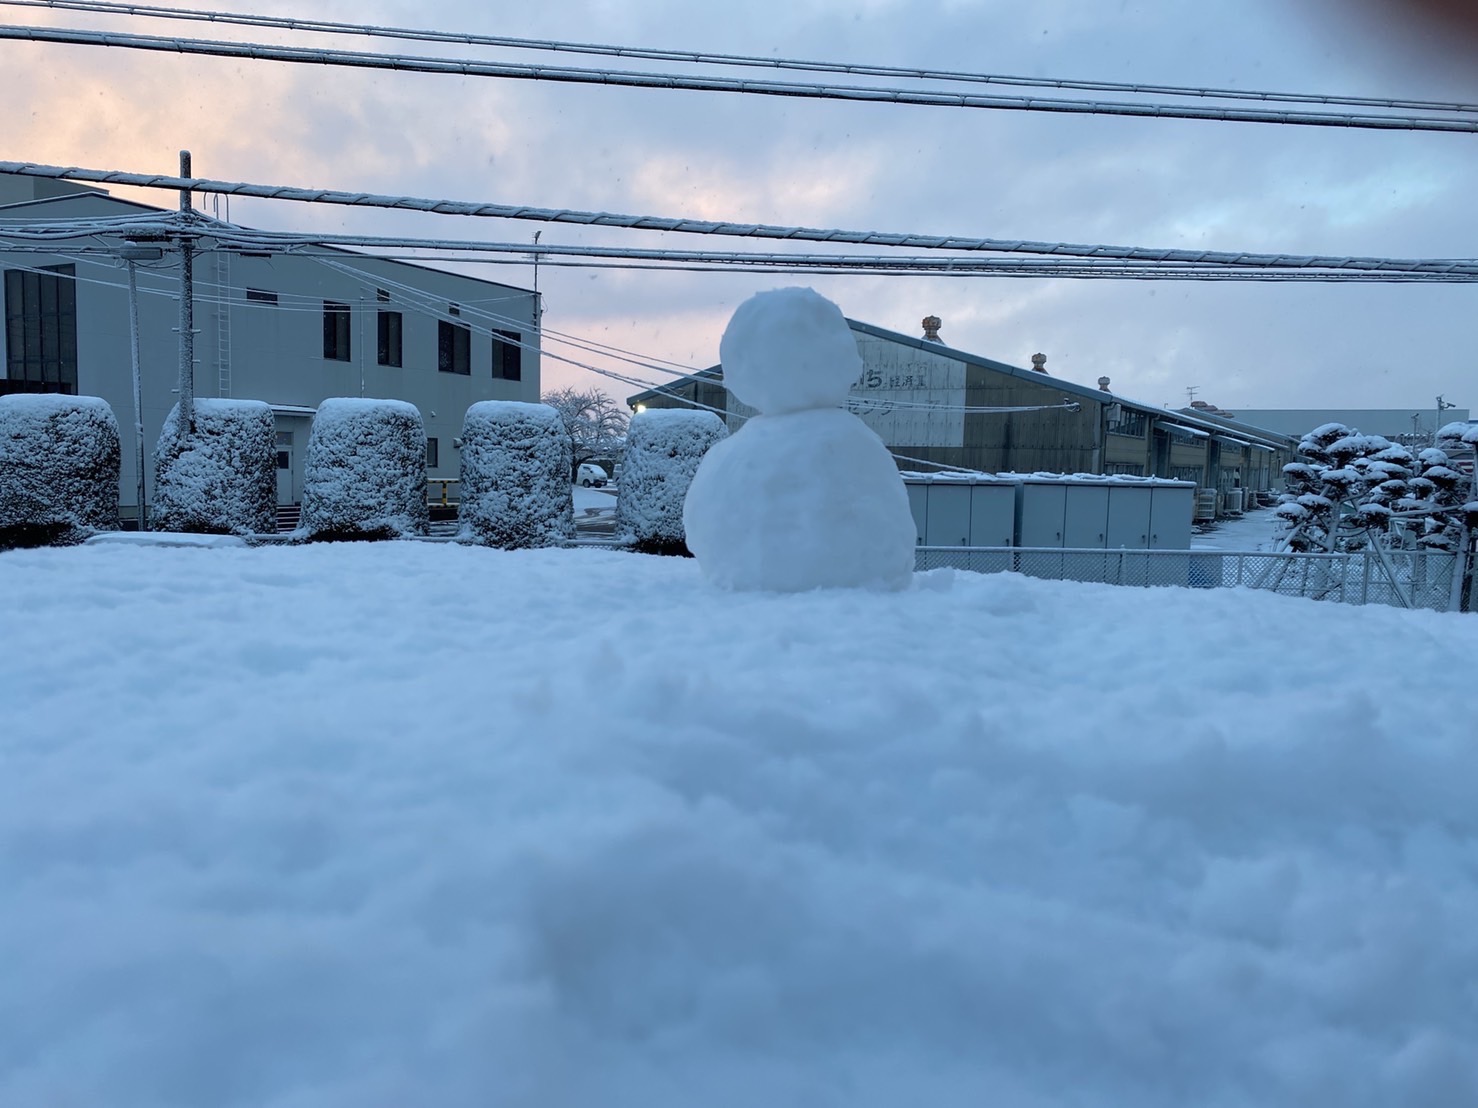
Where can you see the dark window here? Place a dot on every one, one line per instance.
(261, 296)
(1128, 423)
(454, 309)
(41, 328)
(336, 331)
(389, 342)
(284, 460)
(453, 348)
(433, 453)
(507, 356)
(382, 296)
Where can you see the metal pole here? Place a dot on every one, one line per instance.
(187, 311)
(138, 390)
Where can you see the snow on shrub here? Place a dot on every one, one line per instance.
(222, 479)
(59, 466)
(663, 449)
(516, 460)
(364, 473)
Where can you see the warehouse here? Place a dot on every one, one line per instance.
(930, 404)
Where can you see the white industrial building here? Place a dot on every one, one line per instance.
(288, 329)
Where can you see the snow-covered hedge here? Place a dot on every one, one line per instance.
(663, 449)
(516, 460)
(221, 480)
(364, 473)
(59, 465)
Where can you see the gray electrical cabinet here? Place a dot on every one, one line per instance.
(1088, 517)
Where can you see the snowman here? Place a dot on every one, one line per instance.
(804, 495)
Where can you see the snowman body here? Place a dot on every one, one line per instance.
(805, 495)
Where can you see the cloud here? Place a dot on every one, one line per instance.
(863, 166)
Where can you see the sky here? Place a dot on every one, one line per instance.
(1158, 183)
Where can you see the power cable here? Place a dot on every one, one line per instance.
(701, 57)
(466, 67)
(1242, 259)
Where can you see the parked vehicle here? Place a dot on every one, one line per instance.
(590, 476)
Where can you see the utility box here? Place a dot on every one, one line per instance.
(1064, 526)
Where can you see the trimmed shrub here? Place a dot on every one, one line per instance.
(516, 460)
(364, 472)
(663, 449)
(222, 480)
(59, 468)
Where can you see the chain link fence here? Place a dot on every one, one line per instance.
(1436, 580)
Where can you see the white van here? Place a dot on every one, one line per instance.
(591, 476)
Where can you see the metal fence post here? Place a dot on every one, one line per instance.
(1365, 581)
(1461, 559)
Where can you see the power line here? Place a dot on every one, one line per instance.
(466, 67)
(695, 57)
(1241, 259)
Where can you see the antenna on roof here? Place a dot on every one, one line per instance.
(1190, 392)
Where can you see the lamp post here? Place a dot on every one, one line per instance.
(1442, 406)
(132, 253)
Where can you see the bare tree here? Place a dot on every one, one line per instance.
(596, 423)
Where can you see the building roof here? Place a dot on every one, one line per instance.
(1197, 425)
(20, 210)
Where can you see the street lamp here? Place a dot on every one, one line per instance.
(132, 252)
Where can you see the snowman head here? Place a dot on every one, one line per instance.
(788, 350)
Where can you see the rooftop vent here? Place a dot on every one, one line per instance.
(1039, 363)
(1103, 384)
(932, 323)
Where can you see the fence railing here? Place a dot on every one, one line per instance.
(1436, 580)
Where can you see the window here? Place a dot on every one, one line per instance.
(336, 331)
(1127, 423)
(389, 338)
(507, 356)
(453, 348)
(1186, 473)
(261, 296)
(41, 328)
(382, 296)
(433, 453)
(284, 460)
(1125, 469)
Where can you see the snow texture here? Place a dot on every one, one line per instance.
(432, 824)
(664, 447)
(221, 480)
(59, 467)
(807, 500)
(364, 473)
(516, 460)
(787, 350)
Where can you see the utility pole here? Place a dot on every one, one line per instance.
(187, 309)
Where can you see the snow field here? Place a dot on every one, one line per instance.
(401, 823)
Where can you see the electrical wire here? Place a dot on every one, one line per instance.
(1156, 256)
(711, 58)
(467, 67)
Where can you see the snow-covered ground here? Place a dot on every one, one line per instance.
(419, 824)
(1256, 531)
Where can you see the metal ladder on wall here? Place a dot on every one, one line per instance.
(223, 322)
